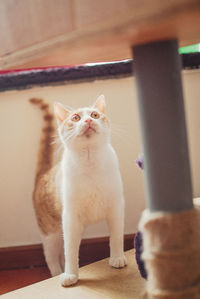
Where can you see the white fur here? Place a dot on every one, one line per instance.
(53, 251)
(91, 190)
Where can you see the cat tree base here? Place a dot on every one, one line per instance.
(171, 252)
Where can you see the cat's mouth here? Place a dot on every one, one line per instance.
(88, 131)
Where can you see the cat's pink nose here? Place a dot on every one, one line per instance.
(89, 120)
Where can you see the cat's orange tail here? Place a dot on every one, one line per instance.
(46, 150)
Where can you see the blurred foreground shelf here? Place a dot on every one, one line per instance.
(45, 33)
(97, 280)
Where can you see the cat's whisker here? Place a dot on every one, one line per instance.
(116, 129)
(68, 136)
(56, 139)
(119, 126)
(120, 132)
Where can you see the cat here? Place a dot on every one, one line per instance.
(84, 187)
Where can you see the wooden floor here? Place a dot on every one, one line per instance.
(14, 279)
(97, 280)
(29, 261)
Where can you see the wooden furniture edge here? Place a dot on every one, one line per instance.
(28, 78)
(97, 280)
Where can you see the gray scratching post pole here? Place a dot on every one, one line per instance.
(170, 226)
(158, 76)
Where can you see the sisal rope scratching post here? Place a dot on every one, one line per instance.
(171, 252)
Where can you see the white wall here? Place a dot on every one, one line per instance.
(20, 128)
(191, 84)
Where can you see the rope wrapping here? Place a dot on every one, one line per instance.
(171, 252)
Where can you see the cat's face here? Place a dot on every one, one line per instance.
(84, 126)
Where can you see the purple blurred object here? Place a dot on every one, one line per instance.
(138, 237)
(140, 161)
(138, 251)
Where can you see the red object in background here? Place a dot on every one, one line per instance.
(2, 72)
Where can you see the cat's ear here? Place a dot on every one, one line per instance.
(61, 112)
(100, 104)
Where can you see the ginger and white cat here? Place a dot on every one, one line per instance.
(84, 188)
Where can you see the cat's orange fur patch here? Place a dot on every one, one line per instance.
(46, 202)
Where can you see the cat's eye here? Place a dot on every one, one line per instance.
(75, 117)
(95, 115)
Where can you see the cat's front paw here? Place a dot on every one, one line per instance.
(68, 279)
(118, 262)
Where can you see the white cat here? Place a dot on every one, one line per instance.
(89, 186)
